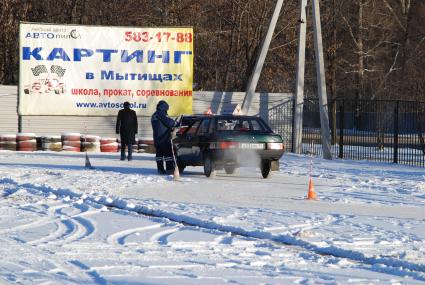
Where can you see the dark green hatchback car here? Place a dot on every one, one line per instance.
(226, 141)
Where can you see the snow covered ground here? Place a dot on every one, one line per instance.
(121, 223)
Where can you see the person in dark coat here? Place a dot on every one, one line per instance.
(127, 128)
(162, 126)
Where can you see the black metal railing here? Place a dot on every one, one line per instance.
(388, 131)
(281, 120)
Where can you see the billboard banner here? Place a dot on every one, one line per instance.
(92, 70)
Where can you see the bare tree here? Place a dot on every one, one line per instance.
(371, 45)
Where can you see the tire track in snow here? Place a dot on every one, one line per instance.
(77, 227)
(60, 228)
(25, 267)
(8, 191)
(381, 264)
(82, 229)
(119, 237)
(40, 222)
(69, 229)
(161, 237)
(93, 273)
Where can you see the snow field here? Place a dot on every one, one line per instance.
(122, 223)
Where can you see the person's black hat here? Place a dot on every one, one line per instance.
(162, 105)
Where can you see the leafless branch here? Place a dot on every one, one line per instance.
(394, 14)
(390, 70)
(350, 30)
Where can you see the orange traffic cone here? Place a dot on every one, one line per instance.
(311, 194)
(208, 112)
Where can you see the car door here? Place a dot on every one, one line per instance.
(202, 140)
(186, 141)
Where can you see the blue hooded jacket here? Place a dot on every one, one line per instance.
(162, 125)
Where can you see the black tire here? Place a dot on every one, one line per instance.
(209, 165)
(230, 169)
(266, 166)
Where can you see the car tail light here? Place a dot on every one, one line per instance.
(275, 146)
(227, 145)
(181, 130)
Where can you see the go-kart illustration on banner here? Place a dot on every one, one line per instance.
(46, 80)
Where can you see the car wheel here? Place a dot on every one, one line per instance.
(266, 166)
(209, 165)
(230, 169)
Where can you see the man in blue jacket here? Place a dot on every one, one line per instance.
(162, 126)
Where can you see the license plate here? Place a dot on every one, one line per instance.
(252, 145)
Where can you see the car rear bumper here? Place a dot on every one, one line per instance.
(245, 157)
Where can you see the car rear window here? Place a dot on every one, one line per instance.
(193, 128)
(241, 125)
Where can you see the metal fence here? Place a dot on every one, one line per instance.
(281, 120)
(388, 131)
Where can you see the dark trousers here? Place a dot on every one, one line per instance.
(164, 154)
(129, 150)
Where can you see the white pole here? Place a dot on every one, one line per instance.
(321, 82)
(299, 93)
(255, 76)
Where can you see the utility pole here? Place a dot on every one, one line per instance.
(321, 81)
(255, 76)
(299, 97)
(299, 89)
